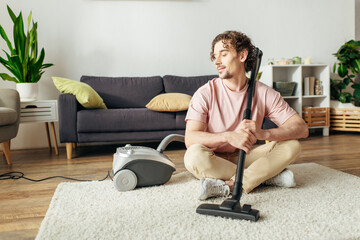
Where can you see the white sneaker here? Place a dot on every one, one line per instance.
(210, 187)
(283, 179)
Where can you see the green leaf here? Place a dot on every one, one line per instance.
(40, 60)
(8, 64)
(11, 66)
(347, 81)
(18, 65)
(355, 43)
(19, 36)
(342, 49)
(345, 97)
(334, 68)
(4, 62)
(26, 57)
(356, 86)
(29, 20)
(34, 46)
(342, 85)
(5, 76)
(357, 94)
(36, 67)
(11, 13)
(31, 43)
(46, 65)
(335, 93)
(342, 70)
(352, 55)
(343, 59)
(4, 36)
(356, 65)
(342, 99)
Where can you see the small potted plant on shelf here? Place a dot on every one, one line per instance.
(347, 67)
(22, 60)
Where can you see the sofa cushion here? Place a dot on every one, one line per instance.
(125, 92)
(84, 94)
(187, 85)
(124, 120)
(169, 102)
(7, 116)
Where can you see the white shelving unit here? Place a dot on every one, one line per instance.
(297, 73)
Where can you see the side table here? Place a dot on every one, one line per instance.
(41, 111)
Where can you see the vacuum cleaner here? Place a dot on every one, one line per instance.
(138, 166)
(231, 207)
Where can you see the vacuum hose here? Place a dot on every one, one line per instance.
(168, 139)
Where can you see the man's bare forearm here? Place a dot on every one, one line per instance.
(211, 140)
(294, 129)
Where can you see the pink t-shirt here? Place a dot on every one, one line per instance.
(222, 109)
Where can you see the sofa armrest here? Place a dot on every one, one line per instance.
(68, 108)
(10, 98)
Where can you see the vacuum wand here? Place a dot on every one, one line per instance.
(231, 207)
(237, 190)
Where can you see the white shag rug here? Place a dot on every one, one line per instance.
(324, 205)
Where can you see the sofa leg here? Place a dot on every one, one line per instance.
(69, 147)
(6, 149)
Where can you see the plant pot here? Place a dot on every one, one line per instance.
(27, 91)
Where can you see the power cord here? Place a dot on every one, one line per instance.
(18, 175)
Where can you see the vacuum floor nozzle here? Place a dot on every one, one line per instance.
(245, 212)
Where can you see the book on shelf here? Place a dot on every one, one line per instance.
(306, 86)
(309, 86)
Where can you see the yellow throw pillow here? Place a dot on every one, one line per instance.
(169, 102)
(84, 94)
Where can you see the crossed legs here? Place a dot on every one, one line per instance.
(262, 163)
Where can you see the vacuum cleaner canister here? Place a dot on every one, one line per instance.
(137, 166)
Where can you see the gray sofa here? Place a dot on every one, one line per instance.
(126, 119)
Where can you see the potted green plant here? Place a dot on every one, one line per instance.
(22, 60)
(347, 67)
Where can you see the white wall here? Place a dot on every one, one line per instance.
(158, 37)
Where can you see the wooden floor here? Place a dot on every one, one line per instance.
(23, 204)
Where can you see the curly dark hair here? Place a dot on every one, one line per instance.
(239, 42)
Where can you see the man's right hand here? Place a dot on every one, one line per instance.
(241, 139)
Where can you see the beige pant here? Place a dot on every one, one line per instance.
(263, 162)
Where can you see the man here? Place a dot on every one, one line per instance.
(215, 130)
